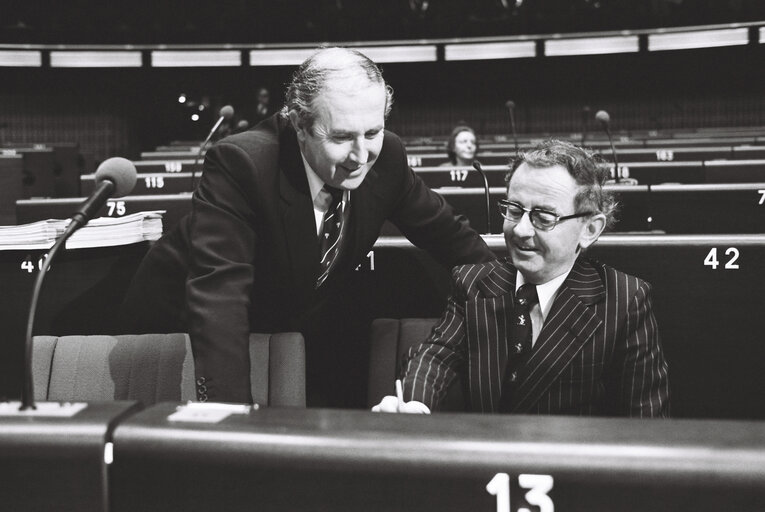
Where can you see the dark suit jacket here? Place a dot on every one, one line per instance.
(253, 252)
(598, 352)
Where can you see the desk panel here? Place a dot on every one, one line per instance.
(175, 206)
(289, 459)
(49, 463)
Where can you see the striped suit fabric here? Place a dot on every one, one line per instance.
(598, 352)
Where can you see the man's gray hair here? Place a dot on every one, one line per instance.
(329, 63)
(586, 167)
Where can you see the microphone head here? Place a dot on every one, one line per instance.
(603, 117)
(119, 171)
(510, 104)
(227, 112)
(477, 166)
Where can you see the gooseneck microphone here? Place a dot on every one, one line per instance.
(605, 121)
(115, 177)
(226, 113)
(477, 167)
(510, 104)
(242, 125)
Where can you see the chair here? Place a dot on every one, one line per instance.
(153, 368)
(390, 339)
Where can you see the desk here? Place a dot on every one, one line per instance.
(293, 459)
(50, 463)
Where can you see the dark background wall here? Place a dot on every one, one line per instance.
(122, 112)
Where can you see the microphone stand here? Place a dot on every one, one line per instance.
(27, 391)
(201, 148)
(613, 153)
(477, 167)
(512, 127)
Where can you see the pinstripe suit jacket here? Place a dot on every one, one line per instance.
(598, 352)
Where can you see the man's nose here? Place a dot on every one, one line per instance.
(524, 228)
(359, 151)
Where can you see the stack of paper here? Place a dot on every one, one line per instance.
(101, 232)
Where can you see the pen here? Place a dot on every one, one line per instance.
(399, 395)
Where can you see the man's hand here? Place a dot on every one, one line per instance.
(392, 404)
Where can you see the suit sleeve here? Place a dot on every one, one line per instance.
(431, 366)
(220, 276)
(426, 219)
(642, 385)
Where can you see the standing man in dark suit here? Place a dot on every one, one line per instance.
(282, 216)
(545, 331)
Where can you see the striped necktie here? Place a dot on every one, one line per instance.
(331, 233)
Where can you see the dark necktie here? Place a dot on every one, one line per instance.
(520, 328)
(520, 341)
(331, 233)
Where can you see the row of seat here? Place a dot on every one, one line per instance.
(689, 209)
(707, 293)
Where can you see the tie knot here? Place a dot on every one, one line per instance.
(527, 295)
(335, 193)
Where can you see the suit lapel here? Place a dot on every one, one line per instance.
(296, 210)
(570, 323)
(487, 331)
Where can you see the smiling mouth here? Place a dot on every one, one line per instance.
(524, 248)
(351, 172)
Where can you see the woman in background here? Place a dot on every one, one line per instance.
(461, 147)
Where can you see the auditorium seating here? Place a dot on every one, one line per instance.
(11, 187)
(675, 209)
(54, 175)
(681, 209)
(153, 368)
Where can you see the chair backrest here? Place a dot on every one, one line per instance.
(153, 368)
(390, 339)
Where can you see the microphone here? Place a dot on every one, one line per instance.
(115, 177)
(477, 167)
(242, 125)
(510, 104)
(605, 121)
(585, 118)
(226, 113)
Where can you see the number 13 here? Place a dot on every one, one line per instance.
(538, 485)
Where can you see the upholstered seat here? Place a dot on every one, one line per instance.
(390, 339)
(153, 368)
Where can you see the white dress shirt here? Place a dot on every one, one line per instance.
(546, 293)
(322, 199)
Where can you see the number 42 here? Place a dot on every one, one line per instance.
(712, 261)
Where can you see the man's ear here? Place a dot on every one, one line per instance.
(592, 229)
(297, 125)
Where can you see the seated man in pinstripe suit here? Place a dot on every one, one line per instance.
(546, 330)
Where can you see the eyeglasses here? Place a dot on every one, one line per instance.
(540, 219)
